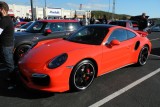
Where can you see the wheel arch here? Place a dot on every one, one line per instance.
(149, 48)
(93, 61)
(22, 43)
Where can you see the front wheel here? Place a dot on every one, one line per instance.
(143, 56)
(82, 75)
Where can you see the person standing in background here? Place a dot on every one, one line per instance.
(143, 22)
(92, 20)
(104, 20)
(7, 40)
(84, 21)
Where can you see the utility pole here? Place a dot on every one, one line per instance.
(45, 4)
(113, 10)
(45, 9)
(32, 9)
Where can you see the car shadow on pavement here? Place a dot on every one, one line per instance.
(155, 51)
(19, 90)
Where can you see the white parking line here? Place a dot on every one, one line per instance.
(155, 55)
(154, 39)
(121, 91)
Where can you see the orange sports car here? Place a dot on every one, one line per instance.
(59, 65)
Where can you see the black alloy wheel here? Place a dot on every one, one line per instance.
(143, 56)
(82, 75)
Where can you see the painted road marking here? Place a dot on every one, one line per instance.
(121, 91)
(155, 55)
(154, 39)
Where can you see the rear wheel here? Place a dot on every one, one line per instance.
(143, 56)
(82, 75)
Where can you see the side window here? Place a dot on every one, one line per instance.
(71, 26)
(118, 34)
(130, 34)
(55, 27)
(38, 26)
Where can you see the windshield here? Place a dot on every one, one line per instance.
(25, 26)
(89, 35)
(36, 27)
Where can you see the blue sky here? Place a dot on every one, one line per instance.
(130, 7)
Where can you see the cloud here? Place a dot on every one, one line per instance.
(89, 6)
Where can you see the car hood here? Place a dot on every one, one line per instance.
(42, 54)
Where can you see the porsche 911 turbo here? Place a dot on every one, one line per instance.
(72, 63)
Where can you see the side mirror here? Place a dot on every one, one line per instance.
(47, 31)
(114, 42)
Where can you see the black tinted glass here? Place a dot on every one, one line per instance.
(89, 35)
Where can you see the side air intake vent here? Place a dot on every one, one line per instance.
(137, 45)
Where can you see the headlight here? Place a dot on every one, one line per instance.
(58, 61)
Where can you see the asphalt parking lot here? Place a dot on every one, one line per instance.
(127, 87)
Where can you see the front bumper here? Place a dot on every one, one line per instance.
(56, 80)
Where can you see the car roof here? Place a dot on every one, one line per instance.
(59, 20)
(102, 25)
(121, 21)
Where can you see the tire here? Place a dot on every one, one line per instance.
(21, 50)
(82, 75)
(143, 56)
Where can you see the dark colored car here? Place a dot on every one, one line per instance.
(42, 30)
(155, 28)
(125, 23)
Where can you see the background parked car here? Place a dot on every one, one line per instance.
(125, 23)
(155, 28)
(40, 30)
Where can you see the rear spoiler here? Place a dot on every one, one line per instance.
(142, 33)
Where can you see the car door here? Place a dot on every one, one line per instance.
(115, 56)
(57, 30)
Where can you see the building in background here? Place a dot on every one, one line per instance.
(49, 13)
